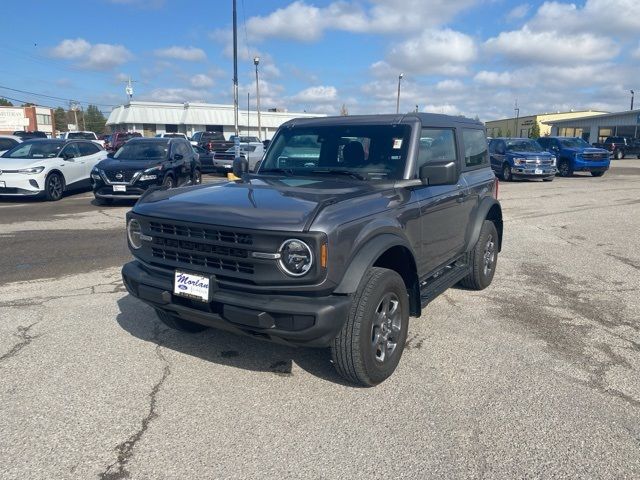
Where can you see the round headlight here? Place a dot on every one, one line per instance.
(296, 257)
(134, 231)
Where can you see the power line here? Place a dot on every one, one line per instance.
(55, 98)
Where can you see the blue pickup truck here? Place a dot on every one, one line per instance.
(576, 155)
(521, 158)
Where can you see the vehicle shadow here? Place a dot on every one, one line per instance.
(225, 348)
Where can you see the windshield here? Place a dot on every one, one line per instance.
(143, 151)
(83, 135)
(35, 150)
(523, 145)
(574, 142)
(374, 152)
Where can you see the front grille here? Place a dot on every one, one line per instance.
(595, 156)
(202, 233)
(196, 260)
(538, 161)
(126, 176)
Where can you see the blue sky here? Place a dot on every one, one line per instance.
(470, 57)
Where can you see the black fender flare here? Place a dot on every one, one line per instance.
(365, 257)
(481, 215)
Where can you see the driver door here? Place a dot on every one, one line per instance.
(73, 165)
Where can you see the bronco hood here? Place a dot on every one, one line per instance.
(266, 203)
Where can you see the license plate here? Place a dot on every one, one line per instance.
(538, 171)
(3, 185)
(228, 166)
(119, 188)
(191, 286)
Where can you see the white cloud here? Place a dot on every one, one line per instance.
(518, 13)
(550, 47)
(176, 95)
(450, 85)
(317, 94)
(305, 22)
(201, 81)
(100, 56)
(440, 52)
(485, 77)
(636, 52)
(189, 54)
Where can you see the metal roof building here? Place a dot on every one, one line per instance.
(598, 127)
(151, 118)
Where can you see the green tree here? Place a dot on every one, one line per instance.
(94, 120)
(60, 119)
(5, 103)
(508, 133)
(535, 131)
(499, 132)
(28, 104)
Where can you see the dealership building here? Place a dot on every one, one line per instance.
(595, 128)
(151, 118)
(26, 118)
(521, 126)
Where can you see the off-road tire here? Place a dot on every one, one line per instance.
(179, 324)
(480, 276)
(353, 351)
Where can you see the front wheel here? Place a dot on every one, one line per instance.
(597, 174)
(483, 258)
(619, 155)
(168, 182)
(506, 173)
(564, 169)
(54, 187)
(197, 177)
(368, 348)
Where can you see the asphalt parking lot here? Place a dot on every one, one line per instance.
(537, 376)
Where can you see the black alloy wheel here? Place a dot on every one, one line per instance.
(564, 169)
(483, 258)
(54, 187)
(168, 182)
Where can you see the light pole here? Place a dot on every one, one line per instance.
(235, 80)
(632, 93)
(517, 110)
(256, 61)
(398, 98)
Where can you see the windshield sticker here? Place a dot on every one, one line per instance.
(397, 143)
(294, 182)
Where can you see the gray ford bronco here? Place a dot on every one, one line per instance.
(350, 226)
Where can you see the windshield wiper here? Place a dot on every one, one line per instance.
(286, 171)
(337, 171)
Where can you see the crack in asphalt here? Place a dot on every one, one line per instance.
(625, 260)
(118, 287)
(25, 339)
(125, 450)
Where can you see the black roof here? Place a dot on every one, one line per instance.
(430, 119)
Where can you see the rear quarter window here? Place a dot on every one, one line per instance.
(475, 147)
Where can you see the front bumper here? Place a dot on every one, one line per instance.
(20, 184)
(289, 319)
(522, 171)
(590, 166)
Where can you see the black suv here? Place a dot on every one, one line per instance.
(351, 225)
(142, 163)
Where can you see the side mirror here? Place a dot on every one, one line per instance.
(178, 156)
(439, 173)
(240, 166)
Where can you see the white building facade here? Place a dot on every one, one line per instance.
(151, 118)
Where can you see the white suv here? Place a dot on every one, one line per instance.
(81, 135)
(48, 167)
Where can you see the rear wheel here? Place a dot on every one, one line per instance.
(618, 155)
(368, 348)
(177, 323)
(54, 187)
(597, 174)
(483, 258)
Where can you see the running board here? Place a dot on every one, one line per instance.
(433, 287)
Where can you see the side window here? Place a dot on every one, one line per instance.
(70, 149)
(436, 145)
(7, 143)
(475, 147)
(88, 148)
(492, 146)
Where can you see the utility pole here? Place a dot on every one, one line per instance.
(235, 79)
(256, 61)
(632, 93)
(398, 97)
(73, 106)
(129, 88)
(248, 122)
(517, 110)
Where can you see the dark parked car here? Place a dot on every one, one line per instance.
(29, 135)
(142, 163)
(620, 147)
(212, 141)
(120, 138)
(206, 159)
(521, 158)
(334, 249)
(573, 154)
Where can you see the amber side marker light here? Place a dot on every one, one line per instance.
(323, 255)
